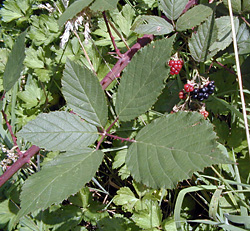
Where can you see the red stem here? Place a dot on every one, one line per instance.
(124, 61)
(11, 133)
(19, 164)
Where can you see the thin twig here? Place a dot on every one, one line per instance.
(226, 68)
(118, 33)
(11, 133)
(111, 36)
(243, 18)
(239, 74)
(85, 53)
(3, 96)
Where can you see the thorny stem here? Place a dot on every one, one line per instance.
(124, 61)
(11, 133)
(19, 164)
(111, 36)
(85, 53)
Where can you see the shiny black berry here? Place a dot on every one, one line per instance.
(204, 89)
(205, 95)
(195, 91)
(195, 96)
(210, 85)
(211, 90)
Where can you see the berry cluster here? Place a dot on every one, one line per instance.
(203, 92)
(176, 65)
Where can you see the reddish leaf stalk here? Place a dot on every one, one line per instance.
(243, 18)
(19, 164)
(111, 36)
(11, 133)
(190, 4)
(3, 96)
(226, 68)
(124, 61)
(120, 138)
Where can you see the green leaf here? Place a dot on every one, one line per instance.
(34, 58)
(84, 94)
(245, 67)
(67, 217)
(224, 34)
(126, 198)
(32, 96)
(10, 11)
(102, 5)
(202, 39)
(143, 79)
(148, 24)
(170, 92)
(238, 219)
(172, 8)
(150, 217)
(193, 17)
(44, 30)
(171, 148)
(8, 212)
(14, 64)
(243, 39)
(236, 5)
(73, 10)
(59, 131)
(59, 179)
(246, 6)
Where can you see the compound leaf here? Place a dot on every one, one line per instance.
(126, 198)
(14, 64)
(59, 131)
(171, 148)
(153, 25)
(143, 79)
(202, 39)
(73, 10)
(150, 217)
(59, 179)
(102, 5)
(224, 35)
(193, 17)
(84, 94)
(10, 11)
(172, 8)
